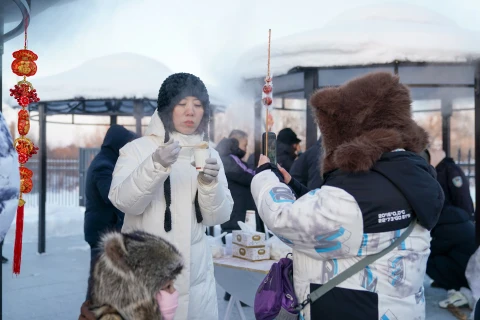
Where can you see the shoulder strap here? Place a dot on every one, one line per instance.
(357, 267)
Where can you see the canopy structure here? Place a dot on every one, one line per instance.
(123, 84)
(432, 55)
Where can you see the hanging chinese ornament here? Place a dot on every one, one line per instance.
(23, 65)
(267, 95)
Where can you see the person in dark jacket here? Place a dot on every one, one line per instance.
(306, 168)
(455, 185)
(453, 238)
(100, 214)
(452, 245)
(239, 178)
(287, 145)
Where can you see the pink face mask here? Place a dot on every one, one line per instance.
(168, 303)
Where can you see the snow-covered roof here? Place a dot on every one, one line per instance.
(368, 35)
(117, 76)
(113, 77)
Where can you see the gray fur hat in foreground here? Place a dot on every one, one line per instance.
(132, 268)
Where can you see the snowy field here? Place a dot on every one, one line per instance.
(53, 285)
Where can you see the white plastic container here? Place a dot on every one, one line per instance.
(250, 219)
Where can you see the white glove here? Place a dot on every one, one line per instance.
(210, 171)
(167, 154)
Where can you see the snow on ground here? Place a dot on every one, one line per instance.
(61, 221)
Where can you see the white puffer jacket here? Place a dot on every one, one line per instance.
(9, 179)
(352, 216)
(137, 190)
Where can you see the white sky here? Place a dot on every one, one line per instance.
(202, 37)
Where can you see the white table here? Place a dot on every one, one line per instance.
(241, 279)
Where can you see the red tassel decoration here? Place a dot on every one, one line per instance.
(17, 251)
(25, 94)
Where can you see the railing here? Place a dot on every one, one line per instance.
(62, 182)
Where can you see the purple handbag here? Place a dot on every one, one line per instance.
(275, 298)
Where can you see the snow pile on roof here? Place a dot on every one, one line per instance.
(116, 76)
(367, 35)
(123, 75)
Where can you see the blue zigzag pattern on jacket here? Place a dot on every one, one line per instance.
(282, 195)
(327, 242)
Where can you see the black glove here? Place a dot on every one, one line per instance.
(270, 166)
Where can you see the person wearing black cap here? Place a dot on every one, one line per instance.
(287, 146)
(160, 191)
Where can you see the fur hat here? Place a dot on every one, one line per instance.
(363, 119)
(152, 260)
(176, 87)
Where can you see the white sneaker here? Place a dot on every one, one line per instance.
(455, 298)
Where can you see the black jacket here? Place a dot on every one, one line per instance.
(452, 245)
(453, 238)
(454, 231)
(455, 185)
(306, 169)
(285, 155)
(239, 178)
(411, 180)
(100, 214)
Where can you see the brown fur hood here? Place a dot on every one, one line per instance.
(363, 119)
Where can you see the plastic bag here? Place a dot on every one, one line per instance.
(246, 227)
(216, 245)
(278, 249)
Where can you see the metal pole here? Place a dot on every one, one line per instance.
(477, 152)
(311, 84)
(1, 99)
(447, 110)
(42, 153)
(211, 126)
(138, 115)
(113, 120)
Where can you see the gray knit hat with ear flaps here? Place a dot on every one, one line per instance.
(173, 89)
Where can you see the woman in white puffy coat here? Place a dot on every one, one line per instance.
(159, 190)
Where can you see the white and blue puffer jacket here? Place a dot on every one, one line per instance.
(9, 179)
(351, 216)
